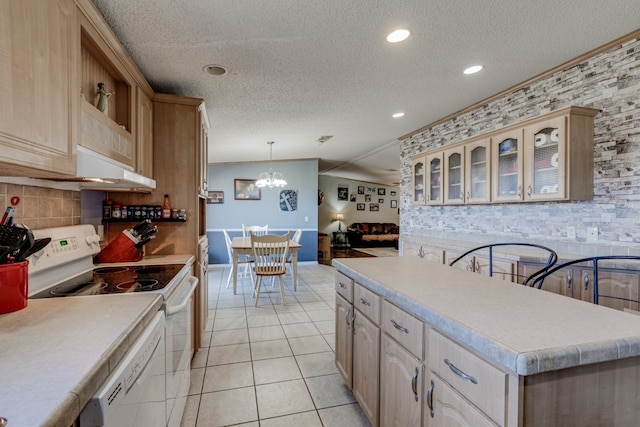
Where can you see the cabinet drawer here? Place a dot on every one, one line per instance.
(344, 286)
(367, 303)
(403, 327)
(481, 383)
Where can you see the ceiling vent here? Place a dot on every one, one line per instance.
(324, 138)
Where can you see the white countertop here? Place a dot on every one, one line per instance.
(55, 353)
(523, 329)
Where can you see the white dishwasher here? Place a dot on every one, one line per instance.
(134, 394)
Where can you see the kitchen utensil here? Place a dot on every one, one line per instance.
(6, 252)
(7, 218)
(140, 227)
(26, 244)
(37, 246)
(14, 236)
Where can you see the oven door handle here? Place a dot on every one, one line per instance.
(193, 282)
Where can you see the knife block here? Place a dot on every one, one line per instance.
(120, 249)
(14, 286)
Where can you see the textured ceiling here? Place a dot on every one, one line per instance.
(300, 69)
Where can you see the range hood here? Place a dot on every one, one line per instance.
(98, 172)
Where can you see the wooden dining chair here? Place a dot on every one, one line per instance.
(259, 230)
(243, 260)
(269, 257)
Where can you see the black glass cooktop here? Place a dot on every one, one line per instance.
(115, 280)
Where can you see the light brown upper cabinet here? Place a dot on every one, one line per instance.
(507, 166)
(433, 178)
(39, 86)
(417, 180)
(477, 172)
(549, 158)
(454, 175)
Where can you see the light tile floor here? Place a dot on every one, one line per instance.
(271, 365)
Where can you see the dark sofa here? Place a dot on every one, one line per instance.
(371, 234)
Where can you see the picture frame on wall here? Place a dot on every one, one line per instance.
(393, 203)
(215, 197)
(343, 193)
(246, 189)
(393, 193)
(360, 189)
(360, 206)
(367, 197)
(352, 198)
(374, 207)
(381, 191)
(380, 201)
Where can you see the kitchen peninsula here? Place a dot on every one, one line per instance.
(488, 351)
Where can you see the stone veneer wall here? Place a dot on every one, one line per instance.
(609, 81)
(42, 207)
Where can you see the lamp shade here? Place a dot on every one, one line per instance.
(339, 217)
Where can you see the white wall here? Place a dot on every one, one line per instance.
(331, 205)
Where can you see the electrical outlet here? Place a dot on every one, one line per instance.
(571, 232)
(100, 231)
(592, 234)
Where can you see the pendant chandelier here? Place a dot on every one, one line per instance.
(270, 179)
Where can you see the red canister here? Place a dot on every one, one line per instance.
(14, 286)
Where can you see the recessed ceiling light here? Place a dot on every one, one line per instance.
(397, 115)
(215, 70)
(474, 69)
(398, 36)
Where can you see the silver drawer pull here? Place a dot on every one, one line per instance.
(430, 398)
(342, 285)
(365, 302)
(398, 327)
(459, 373)
(414, 384)
(346, 318)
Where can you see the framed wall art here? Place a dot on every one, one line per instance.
(343, 193)
(374, 207)
(360, 189)
(215, 197)
(360, 206)
(381, 191)
(393, 203)
(245, 189)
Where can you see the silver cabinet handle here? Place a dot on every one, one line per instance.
(519, 190)
(468, 195)
(346, 318)
(414, 384)
(430, 398)
(569, 279)
(470, 265)
(398, 327)
(365, 302)
(342, 285)
(477, 267)
(529, 190)
(459, 373)
(586, 282)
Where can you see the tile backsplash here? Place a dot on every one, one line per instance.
(42, 207)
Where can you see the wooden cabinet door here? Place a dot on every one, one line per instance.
(401, 379)
(447, 408)
(433, 179)
(507, 163)
(421, 251)
(454, 177)
(611, 283)
(561, 282)
(466, 263)
(418, 181)
(501, 269)
(366, 361)
(344, 340)
(203, 153)
(144, 132)
(39, 47)
(545, 160)
(477, 172)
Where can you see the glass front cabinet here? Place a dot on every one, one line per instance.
(433, 181)
(417, 180)
(549, 158)
(508, 155)
(478, 172)
(545, 153)
(454, 175)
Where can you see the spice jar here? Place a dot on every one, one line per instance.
(124, 213)
(116, 212)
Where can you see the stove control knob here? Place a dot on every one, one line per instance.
(93, 240)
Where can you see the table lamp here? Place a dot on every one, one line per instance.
(339, 218)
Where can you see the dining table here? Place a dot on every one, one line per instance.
(242, 246)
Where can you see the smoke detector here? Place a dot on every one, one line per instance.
(324, 138)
